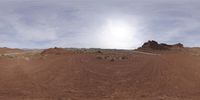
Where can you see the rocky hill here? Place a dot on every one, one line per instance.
(154, 45)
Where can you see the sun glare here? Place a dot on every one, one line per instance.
(117, 34)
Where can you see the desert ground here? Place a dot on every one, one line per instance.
(152, 72)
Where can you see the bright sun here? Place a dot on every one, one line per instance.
(117, 34)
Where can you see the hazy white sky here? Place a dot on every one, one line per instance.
(98, 23)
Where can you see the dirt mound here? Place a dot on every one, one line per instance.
(153, 45)
(9, 50)
(54, 51)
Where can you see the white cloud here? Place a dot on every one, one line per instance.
(78, 23)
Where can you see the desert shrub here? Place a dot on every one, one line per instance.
(99, 51)
(99, 57)
(112, 60)
(107, 57)
(124, 57)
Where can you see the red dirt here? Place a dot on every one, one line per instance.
(59, 74)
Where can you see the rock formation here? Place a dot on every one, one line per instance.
(153, 45)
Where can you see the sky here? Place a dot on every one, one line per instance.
(112, 24)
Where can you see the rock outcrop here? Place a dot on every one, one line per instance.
(153, 45)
